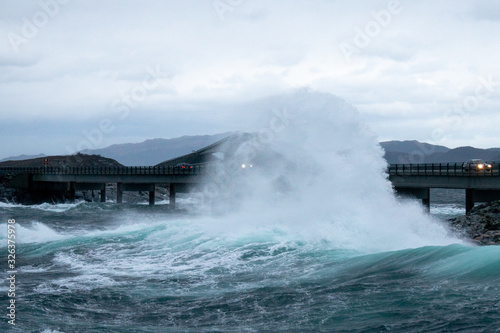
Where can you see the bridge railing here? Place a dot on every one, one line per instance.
(139, 170)
(439, 169)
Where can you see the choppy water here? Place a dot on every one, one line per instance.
(108, 268)
(311, 240)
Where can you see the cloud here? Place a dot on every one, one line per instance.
(487, 10)
(91, 55)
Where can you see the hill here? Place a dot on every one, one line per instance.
(77, 160)
(154, 151)
(21, 157)
(420, 152)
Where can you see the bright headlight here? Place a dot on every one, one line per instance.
(480, 166)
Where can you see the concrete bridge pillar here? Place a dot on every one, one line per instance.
(152, 197)
(469, 200)
(426, 201)
(172, 196)
(72, 191)
(103, 194)
(119, 193)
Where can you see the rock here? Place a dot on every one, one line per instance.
(482, 225)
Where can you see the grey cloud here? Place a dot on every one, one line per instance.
(487, 10)
(93, 53)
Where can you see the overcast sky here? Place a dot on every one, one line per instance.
(87, 74)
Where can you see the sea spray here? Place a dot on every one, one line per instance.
(324, 180)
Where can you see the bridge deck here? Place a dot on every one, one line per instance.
(139, 170)
(144, 175)
(450, 175)
(416, 180)
(412, 179)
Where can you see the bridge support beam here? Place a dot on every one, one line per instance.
(152, 197)
(119, 193)
(427, 201)
(469, 200)
(172, 196)
(103, 194)
(72, 191)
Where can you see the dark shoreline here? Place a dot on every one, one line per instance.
(481, 226)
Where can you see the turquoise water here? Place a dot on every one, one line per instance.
(108, 268)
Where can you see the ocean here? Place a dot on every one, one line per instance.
(92, 267)
(310, 240)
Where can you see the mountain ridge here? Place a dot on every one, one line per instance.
(399, 152)
(158, 150)
(155, 151)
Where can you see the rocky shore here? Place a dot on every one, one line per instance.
(482, 226)
(7, 194)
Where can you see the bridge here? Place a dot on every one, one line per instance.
(65, 181)
(68, 180)
(416, 180)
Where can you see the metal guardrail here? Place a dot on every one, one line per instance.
(440, 169)
(145, 170)
(422, 169)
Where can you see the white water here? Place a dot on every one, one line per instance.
(285, 258)
(58, 208)
(339, 190)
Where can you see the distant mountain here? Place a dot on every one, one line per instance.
(22, 157)
(410, 151)
(412, 146)
(154, 151)
(420, 152)
(462, 154)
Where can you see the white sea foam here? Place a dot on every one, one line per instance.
(7, 205)
(57, 208)
(37, 233)
(451, 210)
(338, 188)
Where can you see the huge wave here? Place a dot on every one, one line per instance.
(325, 181)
